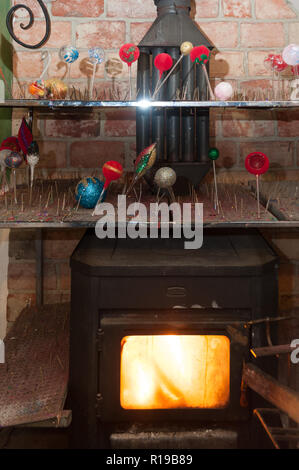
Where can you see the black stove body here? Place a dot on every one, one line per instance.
(151, 288)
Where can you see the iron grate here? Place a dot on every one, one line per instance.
(34, 378)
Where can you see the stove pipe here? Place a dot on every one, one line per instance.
(182, 136)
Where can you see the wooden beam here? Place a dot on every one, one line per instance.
(284, 398)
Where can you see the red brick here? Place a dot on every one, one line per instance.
(242, 123)
(281, 154)
(221, 33)
(256, 63)
(110, 33)
(27, 64)
(90, 154)
(262, 35)
(288, 123)
(237, 8)
(273, 9)
(138, 31)
(51, 298)
(131, 9)
(72, 126)
(205, 9)
(90, 8)
(293, 32)
(60, 33)
(21, 276)
(227, 64)
(53, 154)
(16, 303)
(120, 123)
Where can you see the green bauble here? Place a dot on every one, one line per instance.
(214, 154)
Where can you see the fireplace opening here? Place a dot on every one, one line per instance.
(175, 371)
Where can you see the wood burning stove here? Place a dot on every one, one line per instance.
(159, 334)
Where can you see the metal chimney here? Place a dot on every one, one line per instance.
(182, 135)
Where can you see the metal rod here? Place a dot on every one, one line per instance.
(143, 115)
(173, 115)
(158, 124)
(188, 115)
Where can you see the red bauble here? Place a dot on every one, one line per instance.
(200, 55)
(129, 53)
(112, 171)
(163, 62)
(257, 163)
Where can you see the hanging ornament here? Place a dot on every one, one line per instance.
(214, 155)
(8, 146)
(32, 160)
(129, 53)
(14, 160)
(186, 48)
(201, 55)
(112, 171)
(96, 57)
(257, 164)
(143, 163)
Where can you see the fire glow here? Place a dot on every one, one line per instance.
(175, 371)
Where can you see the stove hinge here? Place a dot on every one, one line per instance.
(100, 338)
(99, 405)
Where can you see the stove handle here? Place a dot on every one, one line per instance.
(176, 292)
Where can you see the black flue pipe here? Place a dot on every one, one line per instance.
(143, 93)
(158, 115)
(173, 115)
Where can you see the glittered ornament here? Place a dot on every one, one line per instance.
(37, 89)
(88, 192)
(291, 54)
(14, 160)
(68, 54)
(165, 178)
(275, 63)
(143, 163)
(223, 91)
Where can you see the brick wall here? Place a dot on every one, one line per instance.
(244, 32)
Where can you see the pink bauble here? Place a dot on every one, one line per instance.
(223, 91)
(291, 54)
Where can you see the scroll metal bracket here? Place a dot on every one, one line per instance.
(10, 18)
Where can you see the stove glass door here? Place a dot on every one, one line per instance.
(175, 371)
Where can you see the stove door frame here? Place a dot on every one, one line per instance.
(117, 324)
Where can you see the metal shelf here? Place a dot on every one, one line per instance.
(145, 104)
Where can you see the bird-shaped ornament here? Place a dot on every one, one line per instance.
(143, 163)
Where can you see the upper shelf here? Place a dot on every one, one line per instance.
(144, 104)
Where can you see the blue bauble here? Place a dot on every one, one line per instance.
(89, 189)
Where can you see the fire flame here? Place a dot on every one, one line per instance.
(175, 371)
